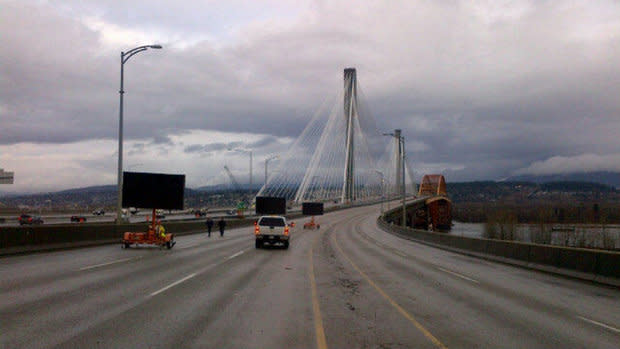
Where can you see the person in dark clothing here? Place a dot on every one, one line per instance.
(222, 225)
(209, 224)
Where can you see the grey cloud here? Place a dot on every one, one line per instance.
(484, 91)
(162, 139)
(211, 147)
(265, 141)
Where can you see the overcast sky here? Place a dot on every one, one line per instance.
(481, 89)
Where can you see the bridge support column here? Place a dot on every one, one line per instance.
(350, 111)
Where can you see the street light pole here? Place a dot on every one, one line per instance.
(124, 58)
(401, 149)
(267, 164)
(251, 171)
(402, 142)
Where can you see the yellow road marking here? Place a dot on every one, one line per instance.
(400, 309)
(321, 343)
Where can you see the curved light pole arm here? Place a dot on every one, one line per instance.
(126, 55)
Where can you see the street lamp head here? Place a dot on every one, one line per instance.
(155, 46)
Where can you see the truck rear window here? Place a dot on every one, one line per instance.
(271, 222)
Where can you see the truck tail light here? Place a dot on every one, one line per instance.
(256, 230)
(286, 231)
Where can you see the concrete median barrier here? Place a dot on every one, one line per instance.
(577, 259)
(509, 249)
(36, 238)
(544, 255)
(471, 244)
(15, 240)
(586, 264)
(608, 265)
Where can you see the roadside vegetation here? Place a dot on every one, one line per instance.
(566, 224)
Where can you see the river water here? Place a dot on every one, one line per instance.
(573, 235)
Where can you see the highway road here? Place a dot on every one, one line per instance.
(142, 216)
(347, 285)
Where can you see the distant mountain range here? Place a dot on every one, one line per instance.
(105, 196)
(603, 177)
(111, 189)
(525, 187)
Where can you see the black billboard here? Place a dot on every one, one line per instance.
(153, 190)
(270, 205)
(312, 208)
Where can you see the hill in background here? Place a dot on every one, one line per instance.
(521, 192)
(536, 189)
(603, 177)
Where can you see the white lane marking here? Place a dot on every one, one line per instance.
(173, 284)
(236, 254)
(108, 263)
(400, 254)
(192, 275)
(599, 324)
(458, 275)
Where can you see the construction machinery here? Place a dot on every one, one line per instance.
(312, 224)
(154, 236)
(152, 190)
(312, 209)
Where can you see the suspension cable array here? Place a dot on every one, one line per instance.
(334, 158)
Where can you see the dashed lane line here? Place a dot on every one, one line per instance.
(400, 309)
(192, 275)
(236, 254)
(173, 284)
(109, 263)
(404, 255)
(599, 324)
(458, 275)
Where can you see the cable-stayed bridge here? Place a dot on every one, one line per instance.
(338, 155)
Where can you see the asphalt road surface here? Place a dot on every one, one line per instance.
(347, 285)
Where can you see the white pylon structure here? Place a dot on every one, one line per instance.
(331, 160)
(350, 113)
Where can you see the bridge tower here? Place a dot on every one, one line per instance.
(350, 112)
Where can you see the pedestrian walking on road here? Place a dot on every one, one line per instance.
(222, 225)
(209, 224)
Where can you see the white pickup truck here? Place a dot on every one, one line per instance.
(271, 230)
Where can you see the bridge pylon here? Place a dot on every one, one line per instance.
(350, 112)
